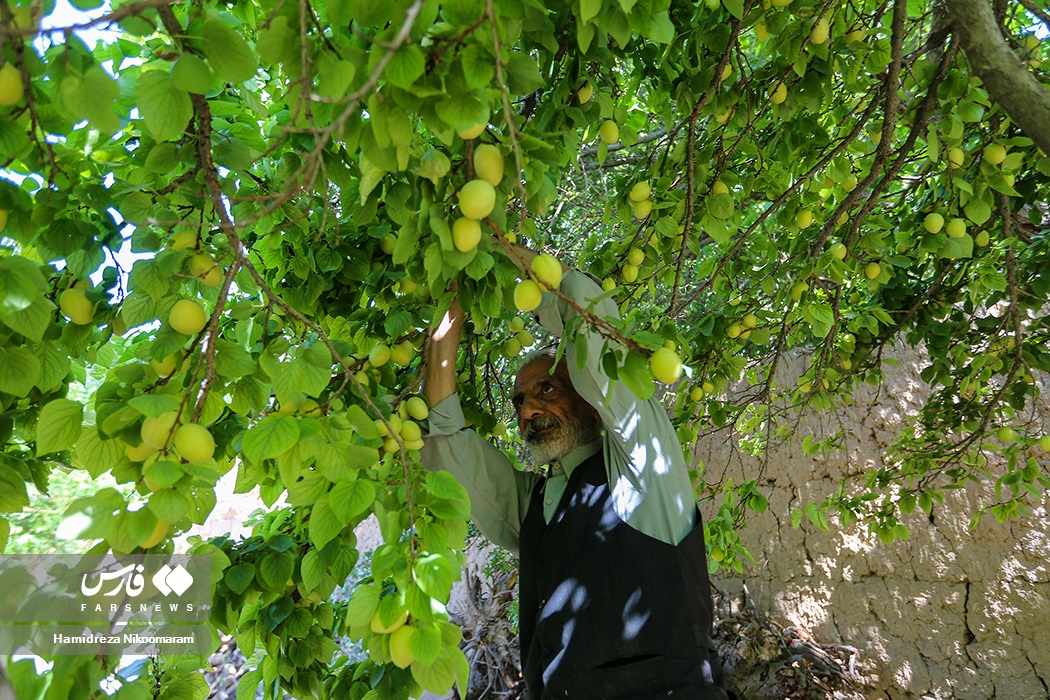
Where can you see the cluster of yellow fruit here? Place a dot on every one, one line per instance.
(743, 328)
(522, 338)
(403, 426)
(192, 441)
(640, 197)
(400, 354)
(528, 294)
(704, 389)
(934, 222)
(635, 258)
(401, 635)
(477, 198)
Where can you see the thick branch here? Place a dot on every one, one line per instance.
(1006, 78)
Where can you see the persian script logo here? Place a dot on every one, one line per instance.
(130, 579)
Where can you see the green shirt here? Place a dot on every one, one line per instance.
(648, 476)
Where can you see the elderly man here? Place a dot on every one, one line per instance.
(614, 596)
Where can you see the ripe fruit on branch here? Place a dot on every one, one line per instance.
(166, 366)
(194, 442)
(187, 317)
(417, 408)
(140, 452)
(850, 183)
(719, 187)
(778, 94)
(804, 218)
(956, 156)
(474, 131)
(183, 240)
(640, 191)
(956, 228)
(982, 238)
(477, 198)
(798, 289)
(642, 208)
(820, 31)
(761, 33)
(160, 531)
(204, 268)
(630, 273)
(516, 324)
(527, 295)
(377, 626)
(933, 222)
(547, 269)
(995, 153)
(466, 234)
(525, 339)
(12, 89)
(379, 355)
(838, 251)
(872, 270)
(1006, 434)
(402, 354)
(155, 432)
(635, 256)
(75, 304)
(488, 164)
(583, 95)
(609, 131)
(388, 243)
(665, 366)
(400, 653)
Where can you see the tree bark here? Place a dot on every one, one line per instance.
(1007, 79)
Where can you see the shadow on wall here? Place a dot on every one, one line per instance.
(950, 613)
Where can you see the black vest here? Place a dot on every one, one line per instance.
(607, 611)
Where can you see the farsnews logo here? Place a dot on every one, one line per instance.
(131, 581)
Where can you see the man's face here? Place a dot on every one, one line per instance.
(552, 418)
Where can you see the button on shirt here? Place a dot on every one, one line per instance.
(648, 475)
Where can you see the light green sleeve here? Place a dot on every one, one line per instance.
(499, 494)
(648, 475)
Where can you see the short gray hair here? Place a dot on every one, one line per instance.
(550, 350)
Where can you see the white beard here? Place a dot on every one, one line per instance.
(559, 439)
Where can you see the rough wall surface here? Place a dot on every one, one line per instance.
(950, 613)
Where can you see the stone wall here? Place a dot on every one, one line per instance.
(950, 613)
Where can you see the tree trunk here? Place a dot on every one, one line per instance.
(1007, 79)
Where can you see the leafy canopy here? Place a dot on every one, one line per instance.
(236, 214)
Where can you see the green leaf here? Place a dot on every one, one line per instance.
(12, 139)
(31, 321)
(191, 74)
(228, 54)
(349, 499)
(589, 9)
(248, 684)
(425, 644)
(312, 570)
(165, 109)
(275, 569)
(92, 95)
(462, 111)
(335, 76)
(21, 283)
(662, 31)
(152, 405)
(434, 575)
(59, 426)
(232, 361)
(444, 485)
(735, 7)
(523, 75)
(324, 524)
(478, 66)
(13, 494)
(161, 158)
(169, 505)
(977, 211)
(239, 577)
(405, 67)
(433, 165)
(636, 376)
(97, 455)
(370, 13)
(19, 371)
(362, 606)
(436, 677)
(307, 490)
(272, 436)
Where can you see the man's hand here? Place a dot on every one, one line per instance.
(439, 373)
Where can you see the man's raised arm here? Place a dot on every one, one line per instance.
(439, 372)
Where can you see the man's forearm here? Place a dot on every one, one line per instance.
(439, 374)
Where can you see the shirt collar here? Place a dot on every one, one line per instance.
(566, 464)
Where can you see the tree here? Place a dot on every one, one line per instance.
(299, 184)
